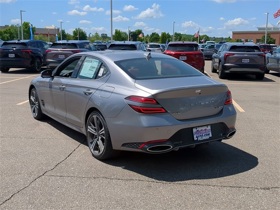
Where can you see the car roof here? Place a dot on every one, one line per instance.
(116, 55)
(182, 42)
(71, 41)
(241, 43)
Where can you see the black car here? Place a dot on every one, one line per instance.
(23, 54)
(127, 45)
(241, 58)
(63, 49)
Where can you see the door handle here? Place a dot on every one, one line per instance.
(88, 92)
(62, 87)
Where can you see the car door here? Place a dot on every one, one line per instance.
(59, 84)
(82, 88)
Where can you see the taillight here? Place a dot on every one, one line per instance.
(76, 51)
(47, 51)
(26, 51)
(229, 98)
(145, 105)
(227, 55)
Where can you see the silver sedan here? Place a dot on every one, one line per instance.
(134, 101)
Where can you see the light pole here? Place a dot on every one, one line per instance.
(173, 31)
(128, 34)
(61, 29)
(21, 11)
(111, 20)
(18, 31)
(265, 37)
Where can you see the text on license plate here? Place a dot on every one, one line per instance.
(11, 55)
(61, 56)
(202, 133)
(245, 60)
(183, 58)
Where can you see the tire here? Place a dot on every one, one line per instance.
(213, 70)
(37, 64)
(222, 74)
(35, 105)
(98, 137)
(5, 69)
(259, 76)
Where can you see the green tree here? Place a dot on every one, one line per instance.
(154, 37)
(79, 34)
(163, 37)
(269, 40)
(119, 35)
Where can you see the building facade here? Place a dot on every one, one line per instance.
(256, 36)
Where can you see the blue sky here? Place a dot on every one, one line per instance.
(215, 18)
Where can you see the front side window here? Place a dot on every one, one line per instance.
(68, 68)
(89, 68)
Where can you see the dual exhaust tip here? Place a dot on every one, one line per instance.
(165, 146)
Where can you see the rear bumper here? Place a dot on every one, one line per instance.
(15, 63)
(246, 69)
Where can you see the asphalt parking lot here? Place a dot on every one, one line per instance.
(45, 165)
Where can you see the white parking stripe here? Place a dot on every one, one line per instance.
(237, 106)
(15, 80)
(24, 102)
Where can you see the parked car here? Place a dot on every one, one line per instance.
(127, 45)
(154, 47)
(134, 101)
(273, 61)
(239, 57)
(98, 46)
(209, 50)
(266, 48)
(23, 54)
(201, 46)
(188, 52)
(63, 49)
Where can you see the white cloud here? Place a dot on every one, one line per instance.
(73, 2)
(222, 19)
(140, 24)
(98, 29)
(153, 12)
(120, 19)
(76, 12)
(92, 9)
(129, 8)
(85, 22)
(7, 1)
(115, 12)
(236, 22)
(15, 21)
(224, 1)
(189, 24)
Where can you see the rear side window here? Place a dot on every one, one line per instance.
(244, 49)
(182, 47)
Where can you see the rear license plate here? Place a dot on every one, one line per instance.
(202, 133)
(61, 56)
(245, 60)
(11, 55)
(183, 58)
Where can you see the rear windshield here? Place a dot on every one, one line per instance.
(122, 47)
(14, 44)
(183, 47)
(245, 49)
(70, 45)
(156, 68)
(154, 46)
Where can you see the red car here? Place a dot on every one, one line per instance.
(188, 52)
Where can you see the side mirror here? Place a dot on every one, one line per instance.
(46, 73)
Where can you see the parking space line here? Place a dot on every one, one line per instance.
(237, 106)
(21, 103)
(15, 80)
